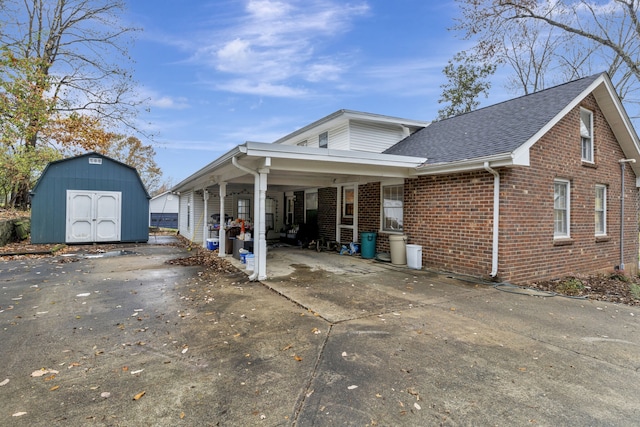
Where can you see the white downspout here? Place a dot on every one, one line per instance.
(256, 214)
(496, 218)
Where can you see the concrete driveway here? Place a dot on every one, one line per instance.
(128, 340)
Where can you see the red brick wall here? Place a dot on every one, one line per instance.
(452, 216)
(327, 200)
(528, 250)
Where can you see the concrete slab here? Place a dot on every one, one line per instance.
(353, 343)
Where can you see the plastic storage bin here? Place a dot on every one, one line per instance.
(397, 245)
(414, 257)
(368, 245)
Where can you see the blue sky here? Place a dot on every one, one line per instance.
(218, 73)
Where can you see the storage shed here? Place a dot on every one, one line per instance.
(163, 210)
(89, 198)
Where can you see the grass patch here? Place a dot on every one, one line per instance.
(571, 286)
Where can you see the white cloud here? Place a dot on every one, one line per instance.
(155, 99)
(246, 86)
(277, 43)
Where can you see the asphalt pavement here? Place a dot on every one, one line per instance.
(124, 339)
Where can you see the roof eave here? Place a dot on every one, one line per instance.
(470, 165)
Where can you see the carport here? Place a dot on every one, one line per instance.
(259, 167)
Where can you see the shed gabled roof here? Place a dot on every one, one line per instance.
(507, 130)
(89, 154)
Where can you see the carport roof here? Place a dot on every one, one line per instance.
(290, 165)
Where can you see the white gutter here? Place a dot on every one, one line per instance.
(256, 214)
(496, 218)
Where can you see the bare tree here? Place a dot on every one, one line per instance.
(583, 34)
(79, 52)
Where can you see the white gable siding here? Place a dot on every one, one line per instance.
(166, 203)
(339, 138)
(374, 138)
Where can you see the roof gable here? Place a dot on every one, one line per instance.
(495, 130)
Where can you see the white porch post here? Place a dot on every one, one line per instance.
(262, 226)
(338, 213)
(205, 227)
(222, 249)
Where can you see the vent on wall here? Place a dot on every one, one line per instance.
(95, 161)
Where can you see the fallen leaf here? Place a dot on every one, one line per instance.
(184, 350)
(297, 358)
(5, 382)
(125, 368)
(284, 349)
(139, 395)
(50, 377)
(19, 414)
(181, 415)
(43, 371)
(54, 388)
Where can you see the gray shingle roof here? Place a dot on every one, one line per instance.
(493, 130)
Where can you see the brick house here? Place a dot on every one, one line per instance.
(523, 190)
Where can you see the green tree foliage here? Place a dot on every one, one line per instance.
(61, 71)
(466, 81)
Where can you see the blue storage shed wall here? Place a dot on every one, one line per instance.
(49, 196)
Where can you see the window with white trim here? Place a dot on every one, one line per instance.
(392, 207)
(348, 201)
(244, 209)
(601, 210)
(561, 208)
(586, 134)
(323, 140)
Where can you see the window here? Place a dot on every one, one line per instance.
(348, 199)
(244, 209)
(290, 209)
(270, 213)
(392, 207)
(311, 207)
(323, 140)
(601, 210)
(561, 208)
(586, 135)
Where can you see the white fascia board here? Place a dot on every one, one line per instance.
(497, 161)
(293, 152)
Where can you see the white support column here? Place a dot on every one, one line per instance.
(262, 226)
(222, 249)
(355, 234)
(338, 213)
(205, 215)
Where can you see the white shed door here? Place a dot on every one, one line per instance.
(93, 216)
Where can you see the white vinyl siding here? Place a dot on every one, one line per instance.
(561, 209)
(601, 210)
(339, 138)
(374, 138)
